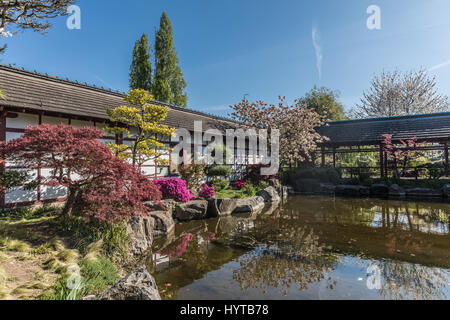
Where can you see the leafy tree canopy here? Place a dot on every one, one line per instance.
(141, 121)
(30, 14)
(325, 102)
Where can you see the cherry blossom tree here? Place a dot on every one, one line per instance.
(394, 94)
(297, 124)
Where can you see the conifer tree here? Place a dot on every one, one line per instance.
(141, 67)
(169, 83)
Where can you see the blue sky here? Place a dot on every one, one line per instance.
(257, 47)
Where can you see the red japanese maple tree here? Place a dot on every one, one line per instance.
(400, 153)
(99, 184)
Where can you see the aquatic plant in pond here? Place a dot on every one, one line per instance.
(174, 188)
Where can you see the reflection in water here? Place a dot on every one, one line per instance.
(294, 257)
(312, 247)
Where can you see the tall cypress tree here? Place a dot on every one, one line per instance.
(141, 66)
(169, 83)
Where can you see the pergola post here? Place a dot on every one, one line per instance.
(386, 169)
(446, 158)
(334, 157)
(323, 157)
(381, 161)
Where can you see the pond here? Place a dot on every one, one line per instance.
(310, 248)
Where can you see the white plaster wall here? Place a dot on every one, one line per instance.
(13, 135)
(32, 173)
(148, 171)
(22, 121)
(163, 171)
(107, 141)
(50, 193)
(80, 124)
(54, 120)
(128, 143)
(16, 195)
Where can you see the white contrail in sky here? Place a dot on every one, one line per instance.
(318, 48)
(439, 66)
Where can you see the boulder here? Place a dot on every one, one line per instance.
(163, 223)
(282, 190)
(353, 191)
(249, 205)
(446, 190)
(379, 190)
(306, 185)
(221, 207)
(396, 191)
(275, 183)
(423, 192)
(269, 209)
(139, 285)
(163, 205)
(193, 210)
(140, 233)
(269, 194)
(326, 188)
(284, 193)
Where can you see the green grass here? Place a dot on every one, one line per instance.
(28, 212)
(249, 190)
(229, 194)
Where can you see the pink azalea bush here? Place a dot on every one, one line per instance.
(207, 192)
(239, 184)
(174, 188)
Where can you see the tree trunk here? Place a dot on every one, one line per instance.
(73, 198)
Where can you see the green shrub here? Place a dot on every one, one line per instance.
(326, 175)
(99, 274)
(434, 171)
(261, 185)
(219, 171)
(220, 184)
(249, 190)
(84, 233)
(193, 174)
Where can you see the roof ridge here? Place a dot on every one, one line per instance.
(66, 81)
(406, 116)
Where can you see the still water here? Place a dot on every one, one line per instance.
(310, 248)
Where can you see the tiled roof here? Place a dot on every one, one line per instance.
(365, 131)
(31, 90)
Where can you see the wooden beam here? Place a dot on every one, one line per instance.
(381, 161)
(334, 157)
(446, 158)
(2, 160)
(323, 157)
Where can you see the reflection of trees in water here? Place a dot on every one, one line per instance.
(404, 281)
(283, 257)
(421, 217)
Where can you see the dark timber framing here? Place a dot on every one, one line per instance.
(355, 136)
(40, 95)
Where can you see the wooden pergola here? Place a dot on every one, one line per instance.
(365, 135)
